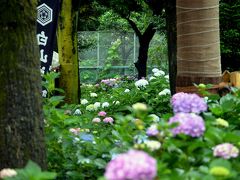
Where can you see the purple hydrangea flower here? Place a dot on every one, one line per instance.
(133, 165)
(184, 102)
(152, 130)
(189, 124)
(226, 151)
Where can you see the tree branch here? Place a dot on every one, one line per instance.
(150, 31)
(134, 26)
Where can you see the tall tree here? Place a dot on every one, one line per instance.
(170, 7)
(67, 48)
(127, 10)
(21, 117)
(198, 43)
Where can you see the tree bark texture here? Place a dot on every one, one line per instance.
(198, 42)
(172, 41)
(21, 116)
(67, 47)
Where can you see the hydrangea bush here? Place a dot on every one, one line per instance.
(136, 130)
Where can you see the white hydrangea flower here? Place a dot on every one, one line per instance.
(164, 92)
(97, 105)
(152, 78)
(141, 83)
(84, 101)
(154, 117)
(77, 112)
(93, 95)
(105, 104)
(4, 173)
(166, 76)
(159, 73)
(153, 145)
(154, 70)
(127, 90)
(44, 93)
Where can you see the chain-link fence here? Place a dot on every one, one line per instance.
(111, 54)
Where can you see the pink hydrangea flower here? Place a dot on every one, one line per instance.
(74, 130)
(226, 151)
(108, 120)
(102, 113)
(133, 165)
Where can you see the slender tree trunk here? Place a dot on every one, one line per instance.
(21, 116)
(67, 47)
(198, 44)
(172, 41)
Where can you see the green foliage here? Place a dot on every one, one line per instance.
(32, 172)
(113, 59)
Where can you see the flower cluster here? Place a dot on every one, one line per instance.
(108, 120)
(152, 130)
(165, 92)
(222, 122)
(93, 95)
(188, 123)
(84, 101)
(152, 144)
(154, 117)
(75, 131)
(134, 165)
(4, 173)
(184, 102)
(77, 112)
(102, 114)
(139, 107)
(109, 82)
(142, 83)
(226, 151)
(158, 72)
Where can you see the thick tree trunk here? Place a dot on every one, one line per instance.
(172, 41)
(67, 46)
(141, 64)
(198, 44)
(21, 117)
(144, 41)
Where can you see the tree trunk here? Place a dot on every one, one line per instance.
(141, 64)
(21, 116)
(144, 41)
(198, 44)
(172, 41)
(68, 59)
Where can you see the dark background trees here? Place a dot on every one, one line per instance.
(21, 117)
(230, 34)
